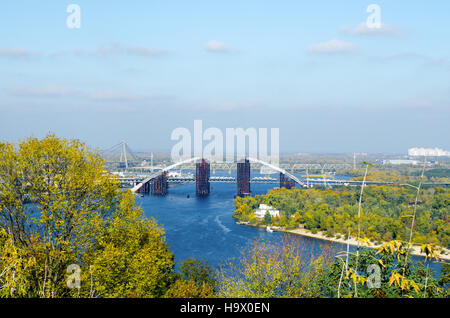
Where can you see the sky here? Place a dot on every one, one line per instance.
(137, 70)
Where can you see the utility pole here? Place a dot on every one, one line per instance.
(124, 154)
(151, 164)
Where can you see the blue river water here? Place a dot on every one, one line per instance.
(204, 228)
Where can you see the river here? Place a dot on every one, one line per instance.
(204, 228)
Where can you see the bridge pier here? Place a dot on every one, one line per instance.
(243, 178)
(145, 188)
(286, 182)
(159, 185)
(202, 173)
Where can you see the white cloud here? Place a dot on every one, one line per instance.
(332, 47)
(17, 52)
(364, 30)
(224, 106)
(111, 95)
(115, 49)
(144, 51)
(52, 91)
(216, 46)
(124, 96)
(49, 91)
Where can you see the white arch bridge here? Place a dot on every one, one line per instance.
(156, 183)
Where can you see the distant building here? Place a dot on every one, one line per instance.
(400, 162)
(428, 152)
(263, 209)
(174, 174)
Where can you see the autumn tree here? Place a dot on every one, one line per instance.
(58, 207)
(382, 273)
(268, 271)
(196, 279)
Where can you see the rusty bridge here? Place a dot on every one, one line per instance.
(158, 182)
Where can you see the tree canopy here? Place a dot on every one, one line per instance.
(386, 212)
(59, 207)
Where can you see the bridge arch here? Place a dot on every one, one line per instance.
(158, 173)
(271, 166)
(281, 170)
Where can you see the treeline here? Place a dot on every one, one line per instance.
(387, 212)
(401, 174)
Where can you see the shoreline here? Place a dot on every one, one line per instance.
(352, 241)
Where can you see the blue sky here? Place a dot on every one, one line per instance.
(136, 70)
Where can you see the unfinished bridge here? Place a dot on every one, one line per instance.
(158, 182)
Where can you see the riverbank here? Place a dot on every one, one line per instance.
(444, 253)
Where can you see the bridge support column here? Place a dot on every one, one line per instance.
(144, 189)
(202, 173)
(159, 185)
(243, 178)
(286, 182)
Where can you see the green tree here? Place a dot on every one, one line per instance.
(189, 289)
(196, 279)
(267, 218)
(198, 271)
(131, 259)
(444, 281)
(268, 271)
(59, 206)
(381, 274)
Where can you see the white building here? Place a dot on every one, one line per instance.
(400, 162)
(263, 209)
(428, 152)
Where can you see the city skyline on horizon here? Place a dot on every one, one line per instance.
(410, 153)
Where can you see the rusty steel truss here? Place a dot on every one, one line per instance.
(243, 178)
(286, 182)
(202, 174)
(159, 185)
